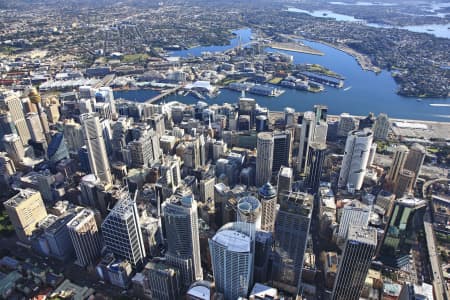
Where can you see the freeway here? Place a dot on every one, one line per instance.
(439, 285)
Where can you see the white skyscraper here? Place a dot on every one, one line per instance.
(232, 256)
(15, 107)
(93, 137)
(356, 156)
(183, 244)
(14, 147)
(73, 135)
(354, 213)
(306, 136)
(264, 158)
(35, 127)
(122, 233)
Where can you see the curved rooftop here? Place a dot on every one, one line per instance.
(267, 190)
(233, 240)
(248, 204)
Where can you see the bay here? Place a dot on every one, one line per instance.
(369, 92)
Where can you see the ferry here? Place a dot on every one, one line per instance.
(347, 88)
(440, 105)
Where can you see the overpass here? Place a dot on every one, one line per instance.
(430, 182)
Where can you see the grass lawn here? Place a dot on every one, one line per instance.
(133, 58)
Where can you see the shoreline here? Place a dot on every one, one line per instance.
(295, 48)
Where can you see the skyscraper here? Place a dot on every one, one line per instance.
(347, 123)
(354, 213)
(122, 233)
(356, 156)
(316, 159)
(268, 197)
(381, 127)
(161, 281)
(249, 211)
(285, 178)
(232, 256)
(93, 137)
(183, 244)
(35, 127)
(85, 237)
(282, 148)
(14, 147)
(6, 126)
(291, 235)
(25, 210)
(415, 159)
(405, 222)
(356, 259)
(264, 158)
(306, 136)
(400, 155)
(73, 134)
(15, 107)
(404, 183)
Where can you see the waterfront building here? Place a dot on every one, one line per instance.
(381, 127)
(291, 234)
(25, 210)
(264, 158)
(356, 156)
(85, 237)
(347, 123)
(400, 235)
(232, 256)
(96, 148)
(182, 234)
(268, 197)
(356, 259)
(415, 159)
(122, 233)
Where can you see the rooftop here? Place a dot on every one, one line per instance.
(365, 235)
(233, 240)
(22, 196)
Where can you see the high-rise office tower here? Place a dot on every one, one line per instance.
(85, 237)
(157, 123)
(232, 255)
(263, 252)
(282, 149)
(6, 126)
(289, 116)
(268, 197)
(321, 112)
(367, 122)
(347, 123)
(372, 153)
(35, 127)
(183, 244)
(316, 159)
(15, 107)
(404, 184)
(93, 137)
(249, 211)
(356, 259)
(264, 158)
(356, 156)
(354, 213)
(73, 134)
(143, 151)
(400, 155)
(161, 281)
(285, 179)
(291, 235)
(25, 210)
(381, 127)
(14, 147)
(122, 233)
(306, 136)
(415, 159)
(207, 190)
(405, 222)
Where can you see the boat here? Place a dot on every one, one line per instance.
(347, 88)
(419, 100)
(440, 105)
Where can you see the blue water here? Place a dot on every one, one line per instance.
(136, 95)
(438, 30)
(369, 92)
